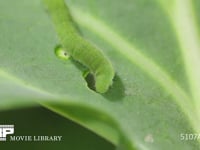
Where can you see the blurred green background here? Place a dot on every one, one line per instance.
(40, 121)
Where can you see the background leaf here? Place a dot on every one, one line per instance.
(34, 121)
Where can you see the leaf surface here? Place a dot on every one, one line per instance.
(154, 97)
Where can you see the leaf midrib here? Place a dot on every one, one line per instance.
(183, 20)
(134, 55)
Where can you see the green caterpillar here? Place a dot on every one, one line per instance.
(78, 48)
